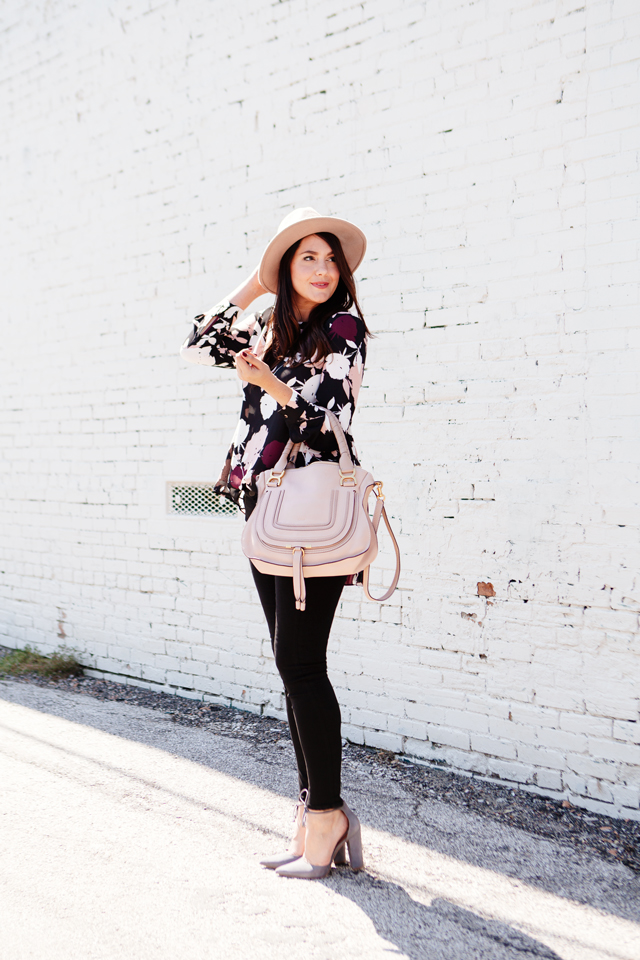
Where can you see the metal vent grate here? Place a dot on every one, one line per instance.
(198, 498)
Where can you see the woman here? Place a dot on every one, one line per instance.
(304, 354)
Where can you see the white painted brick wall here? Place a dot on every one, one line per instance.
(490, 151)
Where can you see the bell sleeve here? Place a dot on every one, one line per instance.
(217, 337)
(335, 387)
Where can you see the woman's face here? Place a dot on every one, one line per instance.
(314, 274)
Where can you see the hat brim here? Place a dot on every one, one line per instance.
(352, 240)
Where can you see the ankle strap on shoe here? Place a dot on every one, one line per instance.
(307, 810)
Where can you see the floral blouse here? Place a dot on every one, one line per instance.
(265, 427)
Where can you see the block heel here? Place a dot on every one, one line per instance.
(354, 846)
(354, 839)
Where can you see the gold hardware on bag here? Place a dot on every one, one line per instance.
(377, 489)
(276, 477)
(346, 475)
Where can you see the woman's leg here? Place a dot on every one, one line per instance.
(300, 641)
(266, 587)
(300, 648)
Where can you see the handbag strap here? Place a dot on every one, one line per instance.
(346, 463)
(377, 514)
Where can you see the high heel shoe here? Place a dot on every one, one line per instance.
(280, 859)
(301, 869)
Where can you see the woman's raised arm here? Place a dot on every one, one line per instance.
(217, 336)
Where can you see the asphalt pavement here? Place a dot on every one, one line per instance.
(128, 836)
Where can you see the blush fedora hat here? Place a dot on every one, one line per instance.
(302, 223)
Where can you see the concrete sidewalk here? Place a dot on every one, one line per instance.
(128, 836)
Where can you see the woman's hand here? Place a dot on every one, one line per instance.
(252, 370)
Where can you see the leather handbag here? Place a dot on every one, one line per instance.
(314, 521)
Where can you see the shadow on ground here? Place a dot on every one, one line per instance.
(442, 929)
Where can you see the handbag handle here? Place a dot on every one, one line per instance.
(346, 463)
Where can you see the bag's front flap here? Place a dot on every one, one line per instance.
(309, 508)
(312, 510)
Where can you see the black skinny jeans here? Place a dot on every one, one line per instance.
(299, 641)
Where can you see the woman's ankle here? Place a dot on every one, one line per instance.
(325, 823)
(324, 831)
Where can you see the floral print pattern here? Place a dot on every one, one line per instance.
(265, 426)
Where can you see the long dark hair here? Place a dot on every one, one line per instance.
(311, 343)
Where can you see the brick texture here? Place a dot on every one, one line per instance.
(490, 152)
